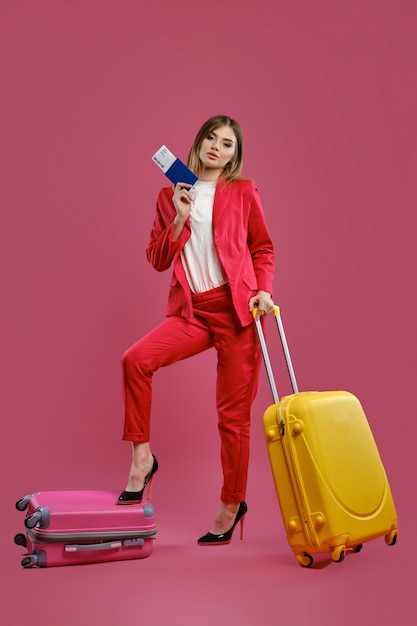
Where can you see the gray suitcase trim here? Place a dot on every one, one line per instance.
(37, 535)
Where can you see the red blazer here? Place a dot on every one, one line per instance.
(242, 242)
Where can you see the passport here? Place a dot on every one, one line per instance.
(173, 168)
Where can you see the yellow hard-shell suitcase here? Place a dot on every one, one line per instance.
(331, 484)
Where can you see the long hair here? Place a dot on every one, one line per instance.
(233, 168)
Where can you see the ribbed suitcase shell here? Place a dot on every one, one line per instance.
(330, 481)
(75, 527)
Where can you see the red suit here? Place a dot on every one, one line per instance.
(218, 318)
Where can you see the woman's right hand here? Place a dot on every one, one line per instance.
(182, 200)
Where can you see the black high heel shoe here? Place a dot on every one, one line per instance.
(135, 497)
(210, 539)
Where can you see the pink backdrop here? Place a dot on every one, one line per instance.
(326, 95)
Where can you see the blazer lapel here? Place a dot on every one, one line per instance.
(221, 200)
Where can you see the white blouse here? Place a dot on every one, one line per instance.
(199, 256)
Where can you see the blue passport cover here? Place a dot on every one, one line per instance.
(173, 168)
(180, 173)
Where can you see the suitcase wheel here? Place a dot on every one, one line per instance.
(31, 560)
(304, 559)
(20, 540)
(339, 553)
(22, 504)
(391, 538)
(357, 548)
(32, 520)
(40, 518)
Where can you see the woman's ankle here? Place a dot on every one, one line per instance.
(225, 517)
(142, 462)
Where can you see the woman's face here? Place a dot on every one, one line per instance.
(217, 149)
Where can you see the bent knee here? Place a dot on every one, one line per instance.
(134, 360)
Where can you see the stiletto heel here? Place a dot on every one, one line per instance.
(135, 497)
(242, 522)
(210, 539)
(150, 486)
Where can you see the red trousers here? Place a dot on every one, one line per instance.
(215, 324)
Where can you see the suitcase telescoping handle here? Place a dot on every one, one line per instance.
(277, 315)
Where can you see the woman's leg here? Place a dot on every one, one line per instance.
(239, 359)
(142, 462)
(173, 340)
(237, 382)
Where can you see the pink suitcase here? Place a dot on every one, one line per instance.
(75, 527)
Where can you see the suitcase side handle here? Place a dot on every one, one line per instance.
(107, 545)
(92, 547)
(267, 361)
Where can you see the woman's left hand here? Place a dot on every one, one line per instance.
(263, 302)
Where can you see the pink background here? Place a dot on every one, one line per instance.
(325, 91)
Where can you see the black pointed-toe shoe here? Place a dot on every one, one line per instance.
(135, 497)
(210, 539)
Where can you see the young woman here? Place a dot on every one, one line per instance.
(214, 236)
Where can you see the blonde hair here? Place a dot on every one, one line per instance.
(233, 168)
